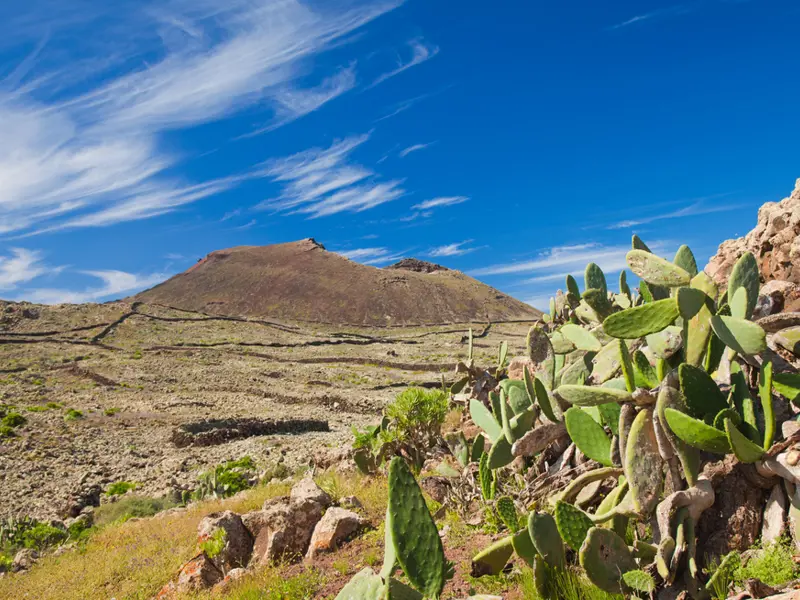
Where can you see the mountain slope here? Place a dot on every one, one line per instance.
(301, 281)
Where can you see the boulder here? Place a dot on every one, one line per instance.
(335, 527)
(282, 530)
(238, 541)
(516, 368)
(307, 489)
(24, 560)
(198, 574)
(774, 515)
(775, 242)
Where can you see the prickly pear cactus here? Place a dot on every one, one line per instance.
(365, 585)
(656, 270)
(643, 463)
(605, 557)
(414, 533)
(493, 559)
(544, 534)
(639, 581)
(573, 524)
(508, 513)
(641, 321)
(588, 435)
(486, 478)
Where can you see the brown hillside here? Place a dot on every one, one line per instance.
(301, 281)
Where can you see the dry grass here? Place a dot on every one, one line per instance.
(131, 561)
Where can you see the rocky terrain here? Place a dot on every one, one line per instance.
(137, 373)
(302, 282)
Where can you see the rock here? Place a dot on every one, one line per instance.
(238, 541)
(230, 577)
(24, 560)
(307, 489)
(437, 487)
(516, 368)
(774, 520)
(758, 589)
(198, 574)
(353, 502)
(775, 242)
(336, 526)
(789, 428)
(282, 529)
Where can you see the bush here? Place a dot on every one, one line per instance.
(6, 431)
(226, 480)
(130, 507)
(772, 564)
(120, 488)
(43, 535)
(73, 414)
(14, 419)
(214, 544)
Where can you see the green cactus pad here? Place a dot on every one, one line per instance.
(459, 447)
(744, 337)
(639, 581)
(541, 577)
(606, 363)
(703, 396)
(495, 401)
(484, 419)
(605, 557)
(365, 585)
(613, 498)
(745, 275)
(597, 300)
(690, 301)
(572, 287)
(585, 313)
(500, 454)
(389, 553)
(669, 397)
(609, 414)
(685, 260)
(789, 339)
(581, 338)
(505, 418)
(522, 423)
(696, 433)
(641, 320)
(537, 391)
(414, 533)
(728, 413)
(561, 345)
(476, 450)
(787, 384)
(486, 478)
(666, 343)
(643, 463)
(397, 590)
(638, 244)
(573, 524)
(493, 559)
(544, 534)
(745, 450)
(765, 394)
(697, 330)
(655, 270)
(594, 278)
(579, 369)
(508, 513)
(523, 546)
(541, 353)
(738, 303)
(744, 404)
(624, 288)
(664, 556)
(644, 372)
(589, 437)
(583, 395)
(627, 366)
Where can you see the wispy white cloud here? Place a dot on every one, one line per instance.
(414, 148)
(248, 225)
(420, 52)
(174, 256)
(403, 106)
(22, 266)
(456, 249)
(114, 285)
(371, 256)
(440, 201)
(95, 157)
(694, 209)
(324, 181)
(661, 12)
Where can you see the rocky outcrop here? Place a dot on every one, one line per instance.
(236, 539)
(334, 528)
(775, 242)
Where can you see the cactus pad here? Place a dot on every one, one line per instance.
(745, 450)
(544, 534)
(744, 337)
(573, 524)
(397, 590)
(641, 320)
(486, 478)
(508, 513)
(493, 559)
(765, 394)
(788, 384)
(643, 464)
(696, 433)
(523, 546)
(597, 300)
(644, 372)
(655, 270)
(745, 275)
(582, 395)
(561, 345)
(609, 415)
(414, 533)
(685, 260)
(690, 301)
(666, 343)
(572, 287)
(500, 454)
(365, 585)
(581, 338)
(639, 581)
(459, 447)
(537, 391)
(589, 437)
(624, 288)
(594, 278)
(606, 363)
(703, 396)
(605, 557)
(627, 366)
(484, 419)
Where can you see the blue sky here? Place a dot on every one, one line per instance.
(515, 141)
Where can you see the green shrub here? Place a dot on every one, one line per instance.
(14, 419)
(120, 488)
(53, 405)
(772, 564)
(5, 562)
(226, 480)
(43, 535)
(130, 507)
(6, 431)
(214, 544)
(110, 412)
(72, 414)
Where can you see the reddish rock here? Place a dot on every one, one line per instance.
(307, 489)
(238, 541)
(282, 529)
(198, 574)
(336, 526)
